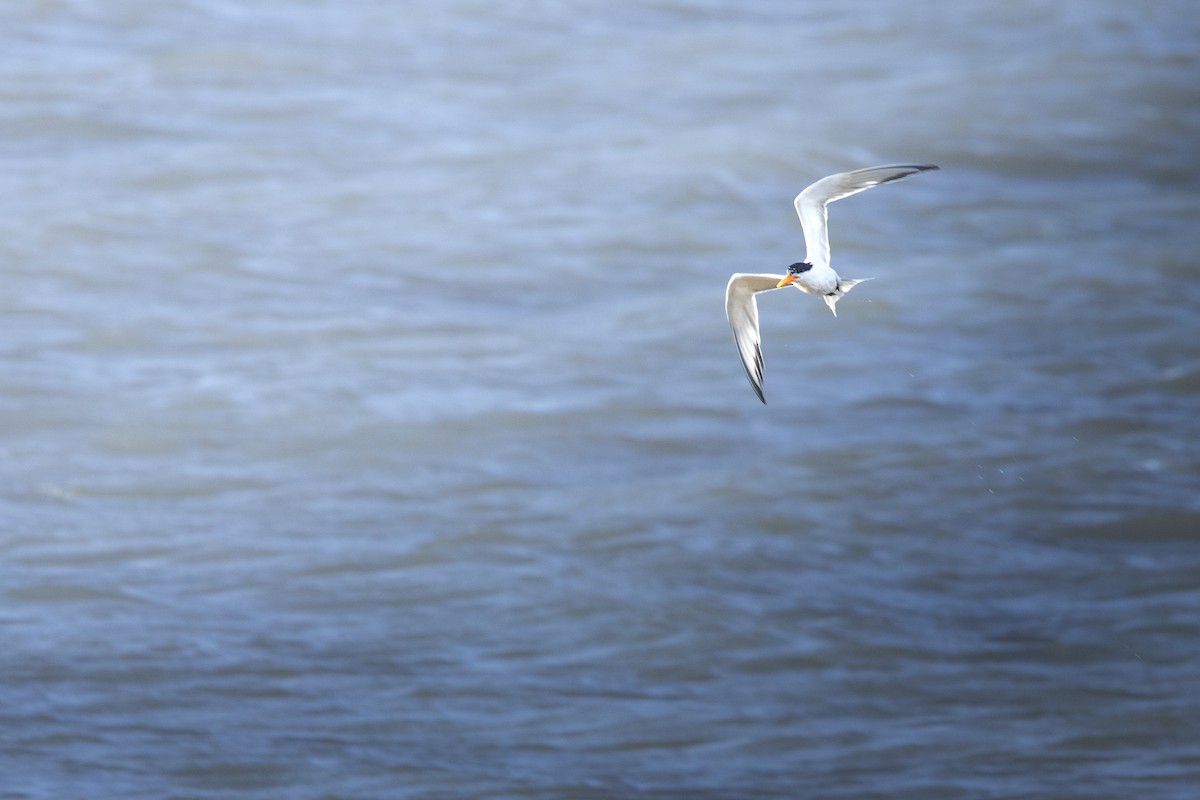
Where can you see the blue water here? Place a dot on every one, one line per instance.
(370, 425)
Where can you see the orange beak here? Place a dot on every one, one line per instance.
(785, 281)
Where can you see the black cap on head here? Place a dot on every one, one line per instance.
(798, 267)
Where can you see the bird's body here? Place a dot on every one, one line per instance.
(813, 275)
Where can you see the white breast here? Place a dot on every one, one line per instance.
(818, 280)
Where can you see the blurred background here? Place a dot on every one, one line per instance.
(370, 425)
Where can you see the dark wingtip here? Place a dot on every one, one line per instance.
(913, 169)
(758, 391)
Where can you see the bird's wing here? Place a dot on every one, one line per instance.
(810, 204)
(742, 311)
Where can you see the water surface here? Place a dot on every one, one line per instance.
(370, 426)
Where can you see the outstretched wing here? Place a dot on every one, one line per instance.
(742, 311)
(810, 204)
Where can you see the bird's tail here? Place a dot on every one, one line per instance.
(844, 285)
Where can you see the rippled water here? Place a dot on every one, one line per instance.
(370, 425)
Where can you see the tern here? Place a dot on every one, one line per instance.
(813, 274)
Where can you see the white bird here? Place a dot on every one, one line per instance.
(813, 275)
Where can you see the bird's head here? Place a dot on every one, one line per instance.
(793, 272)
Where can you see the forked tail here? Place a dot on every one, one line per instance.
(844, 285)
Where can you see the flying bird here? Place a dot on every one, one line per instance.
(813, 274)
